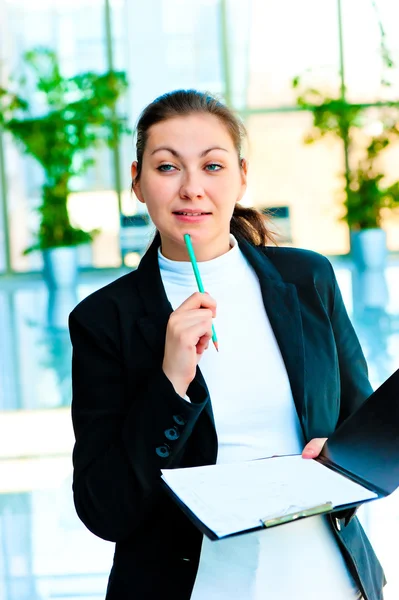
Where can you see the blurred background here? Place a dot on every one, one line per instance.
(317, 85)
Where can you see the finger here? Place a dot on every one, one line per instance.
(198, 300)
(313, 448)
(192, 336)
(203, 343)
(181, 321)
(192, 316)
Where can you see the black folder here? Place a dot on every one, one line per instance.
(365, 448)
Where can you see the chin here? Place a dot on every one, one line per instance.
(199, 237)
(197, 234)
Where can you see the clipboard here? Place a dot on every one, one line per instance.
(364, 450)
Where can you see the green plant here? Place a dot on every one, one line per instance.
(366, 195)
(77, 115)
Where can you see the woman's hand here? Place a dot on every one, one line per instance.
(187, 337)
(313, 448)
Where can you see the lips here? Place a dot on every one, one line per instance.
(190, 214)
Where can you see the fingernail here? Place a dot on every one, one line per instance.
(309, 453)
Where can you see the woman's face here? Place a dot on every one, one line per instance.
(190, 181)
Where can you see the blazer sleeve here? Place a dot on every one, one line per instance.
(121, 442)
(354, 381)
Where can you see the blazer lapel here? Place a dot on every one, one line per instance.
(158, 308)
(154, 299)
(283, 310)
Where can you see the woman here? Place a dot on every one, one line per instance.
(289, 371)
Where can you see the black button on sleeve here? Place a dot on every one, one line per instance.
(172, 433)
(163, 451)
(178, 419)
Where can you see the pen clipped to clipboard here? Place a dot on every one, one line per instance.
(297, 514)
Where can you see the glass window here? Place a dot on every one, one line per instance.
(286, 39)
(192, 54)
(283, 171)
(3, 209)
(76, 31)
(362, 49)
(168, 44)
(308, 179)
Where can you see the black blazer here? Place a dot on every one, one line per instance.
(129, 422)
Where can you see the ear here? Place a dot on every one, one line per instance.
(244, 173)
(136, 183)
(244, 168)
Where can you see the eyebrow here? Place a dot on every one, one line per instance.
(175, 153)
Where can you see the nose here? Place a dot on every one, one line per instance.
(191, 186)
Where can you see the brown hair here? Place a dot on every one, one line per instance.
(247, 223)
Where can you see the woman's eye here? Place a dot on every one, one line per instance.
(214, 167)
(165, 168)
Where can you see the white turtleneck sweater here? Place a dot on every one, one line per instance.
(255, 417)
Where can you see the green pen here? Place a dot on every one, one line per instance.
(194, 264)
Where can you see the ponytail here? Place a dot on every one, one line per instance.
(251, 225)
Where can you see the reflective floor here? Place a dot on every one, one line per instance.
(45, 552)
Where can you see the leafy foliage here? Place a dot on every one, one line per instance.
(79, 115)
(365, 193)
